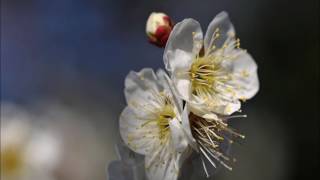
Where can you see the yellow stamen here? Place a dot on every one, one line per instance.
(210, 135)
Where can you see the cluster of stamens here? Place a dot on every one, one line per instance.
(210, 135)
(202, 75)
(165, 114)
(206, 70)
(161, 112)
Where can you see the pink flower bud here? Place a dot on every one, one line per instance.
(158, 28)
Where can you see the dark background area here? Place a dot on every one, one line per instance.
(78, 52)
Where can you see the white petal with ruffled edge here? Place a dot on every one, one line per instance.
(223, 25)
(177, 135)
(187, 128)
(148, 95)
(244, 76)
(140, 86)
(184, 42)
(138, 139)
(165, 163)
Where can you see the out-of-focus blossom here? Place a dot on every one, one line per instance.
(27, 151)
(151, 123)
(212, 73)
(158, 28)
(48, 140)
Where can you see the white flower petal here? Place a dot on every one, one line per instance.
(179, 60)
(139, 84)
(181, 63)
(186, 36)
(137, 137)
(139, 128)
(163, 164)
(141, 87)
(178, 137)
(183, 86)
(227, 107)
(187, 128)
(245, 78)
(226, 31)
(219, 105)
(168, 84)
(210, 116)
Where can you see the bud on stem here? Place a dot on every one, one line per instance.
(158, 28)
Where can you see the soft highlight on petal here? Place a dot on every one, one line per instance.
(180, 60)
(219, 105)
(163, 164)
(187, 128)
(177, 135)
(140, 140)
(185, 36)
(245, 77)
(183, 86)
(223, 25)
(138, 84)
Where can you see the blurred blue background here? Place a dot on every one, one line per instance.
(76, 53)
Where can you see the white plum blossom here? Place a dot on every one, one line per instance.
(212, 73)
(151, 123)
(208, 77)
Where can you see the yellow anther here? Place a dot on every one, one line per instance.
(245, 73)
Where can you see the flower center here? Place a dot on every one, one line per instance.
(206, 70)
(202, 74)
(165, 115)
(162, 114)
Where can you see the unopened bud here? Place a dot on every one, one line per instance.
(158, 28)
